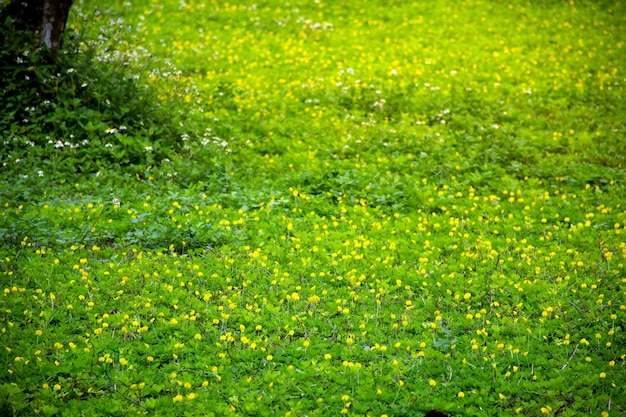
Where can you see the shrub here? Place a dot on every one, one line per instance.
(92, 109)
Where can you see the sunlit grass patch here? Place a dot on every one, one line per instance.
(376, 209)
(470, 298)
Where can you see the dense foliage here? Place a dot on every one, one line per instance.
(87, 110)
(366, 208)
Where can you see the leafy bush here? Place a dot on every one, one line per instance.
(104, 103)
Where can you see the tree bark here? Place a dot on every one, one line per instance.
(54, 18)
(44, 18)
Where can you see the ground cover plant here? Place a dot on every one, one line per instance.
(368, 208)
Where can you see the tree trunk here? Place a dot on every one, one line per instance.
(44, 18)
(55, 13)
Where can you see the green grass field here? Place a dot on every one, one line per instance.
(315, 208)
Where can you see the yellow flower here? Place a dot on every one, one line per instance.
(432, 382)
(461, 394)
(177, 398)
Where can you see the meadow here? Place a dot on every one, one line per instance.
(314, 208)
